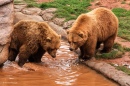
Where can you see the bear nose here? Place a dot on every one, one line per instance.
(71, 49)
(53, 56)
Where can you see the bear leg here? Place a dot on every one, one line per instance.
(25, 52)
(108, 44)
(12, 54)
(98, 45)
(81, 52)
(89, 49)
(37, 56)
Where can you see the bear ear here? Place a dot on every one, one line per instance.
(81, 34)
(48, 39)
(67, 31)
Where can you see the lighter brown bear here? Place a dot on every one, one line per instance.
(91, 29)
(31, 40)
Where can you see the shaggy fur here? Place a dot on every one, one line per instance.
(31, 40)
(91, 29)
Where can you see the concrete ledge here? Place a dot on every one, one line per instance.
(110, 72)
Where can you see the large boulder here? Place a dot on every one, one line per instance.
(31, 11)
(20, 16)
(18, 8)
(6, 27)
(59, 30)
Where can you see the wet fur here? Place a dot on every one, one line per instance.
(29, 40)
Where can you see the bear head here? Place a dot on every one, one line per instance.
(76, 39)
(52, 44)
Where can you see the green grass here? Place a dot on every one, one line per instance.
(127, 49)
(124, 22)
(69, 9)
(32, 3)
(123, 2)
(124, 69)
(116, 52)
(17, 2)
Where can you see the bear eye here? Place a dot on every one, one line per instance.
(74, 42)
(52, 49)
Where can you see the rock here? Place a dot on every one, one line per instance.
(6, 14)
(6, 27)
(59, 21)
(97, 3)
(6, 21)
(120, 77)
(31, 11)
(20, 16)
(4, 53)
(59, 30)
(47, 16)
(49, 10)
(68, 24)
(18, 8)
(5, 31)
(5, 2)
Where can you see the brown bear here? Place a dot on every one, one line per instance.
(91, 29)
(31, 39)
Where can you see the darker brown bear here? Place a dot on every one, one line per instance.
(31, 40)
(91, 29)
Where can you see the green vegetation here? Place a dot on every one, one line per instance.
(17, 1)
(124, 22)
(127, 49)
(69, 9)
(116, 52)
(32, 3)
(123, 2)
(124, 69)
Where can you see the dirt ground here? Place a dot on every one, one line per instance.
(111, 4)
(125, 60)
(104, 3)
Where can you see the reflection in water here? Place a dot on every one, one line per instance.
(62, 71)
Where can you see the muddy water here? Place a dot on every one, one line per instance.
(63, 71)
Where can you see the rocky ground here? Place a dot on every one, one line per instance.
(22, 12)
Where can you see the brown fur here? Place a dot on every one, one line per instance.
(31, 40)
(91, 29)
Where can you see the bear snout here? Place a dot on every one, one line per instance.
(71, 49)
(54, 56)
